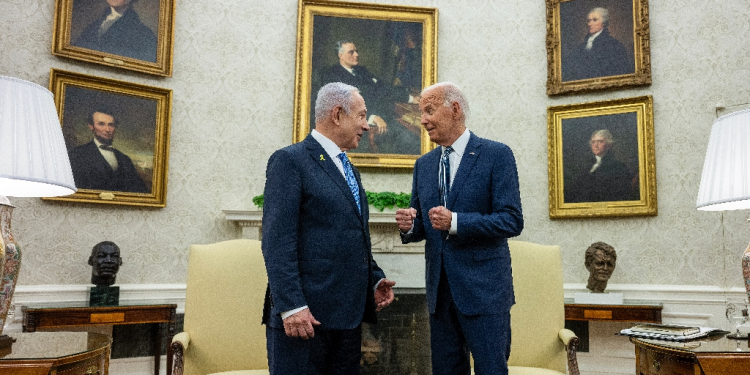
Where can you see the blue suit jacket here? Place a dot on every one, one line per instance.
(485, 196)
(315, 243)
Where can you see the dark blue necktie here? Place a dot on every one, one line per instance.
(350, 180)
(445, 176)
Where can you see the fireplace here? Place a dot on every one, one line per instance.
(400, 343)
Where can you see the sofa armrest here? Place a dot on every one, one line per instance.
(570, 340)
(180, 343)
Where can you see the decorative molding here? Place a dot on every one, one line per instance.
(383, 230)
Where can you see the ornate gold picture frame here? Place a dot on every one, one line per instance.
(394, 50)
(597, 45)
(117, 136)
(136, 36)
(601, 159)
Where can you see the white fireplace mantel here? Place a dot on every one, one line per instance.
(402, 263)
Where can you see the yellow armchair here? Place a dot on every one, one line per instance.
(223, 334)
(540, 345)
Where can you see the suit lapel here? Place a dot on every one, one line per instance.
(431, 173)
(318, 153)
(471, 154)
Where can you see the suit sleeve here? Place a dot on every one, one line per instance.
(417, 234)
(505, 218)
(281, 210)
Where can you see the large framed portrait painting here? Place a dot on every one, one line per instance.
(117, 136)
(388, 53)
(601, 159)
(596, 45)
(129, 34)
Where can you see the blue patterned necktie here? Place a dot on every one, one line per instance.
(445, 176)
(350, 180)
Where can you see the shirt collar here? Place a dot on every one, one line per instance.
(350, 70)
(99, 144)
(328, 145)
(114, 14)
(592, 37)
(459, 146)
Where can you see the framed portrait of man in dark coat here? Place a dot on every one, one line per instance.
(601, 159)
(117, 136)
(130, 34)
(597, 45)
(388, 52)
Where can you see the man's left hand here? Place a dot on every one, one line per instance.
(384, 293)
(440, 217)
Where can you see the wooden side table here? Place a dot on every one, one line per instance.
(578, 316)
(707, 356)
(81, 316)
(614, 313)
(55, 353)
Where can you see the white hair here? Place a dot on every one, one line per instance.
(332, 95)
(340, 45)
(602, 12)
(604, 133)
(452, 93)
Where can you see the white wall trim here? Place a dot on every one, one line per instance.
(175, 293)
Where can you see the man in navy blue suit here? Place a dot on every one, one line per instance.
(323, 282)
(466, 204)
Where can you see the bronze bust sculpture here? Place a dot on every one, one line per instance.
(105, 261)
(600, 261)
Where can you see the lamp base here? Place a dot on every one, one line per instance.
(11, 254)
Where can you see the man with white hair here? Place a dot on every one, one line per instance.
(465, 203)
(600, 55)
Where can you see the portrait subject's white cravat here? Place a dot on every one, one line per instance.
(590, 42)
(111, 18)
(597, 164)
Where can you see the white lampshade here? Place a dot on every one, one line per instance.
(725, 183)
(33, 158)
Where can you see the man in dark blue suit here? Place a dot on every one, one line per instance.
(466, 204)
(323, 282)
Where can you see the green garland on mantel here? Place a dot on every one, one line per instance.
(381, 200)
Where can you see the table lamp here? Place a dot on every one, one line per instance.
(33, 163)
(725, 182)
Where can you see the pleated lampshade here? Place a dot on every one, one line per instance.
(33, 158)
(725, 182)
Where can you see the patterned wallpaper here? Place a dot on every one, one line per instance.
(233, 89)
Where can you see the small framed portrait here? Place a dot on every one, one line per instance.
(389, 53)
(597, 45)
(117, 136)
(129, 34)
(601, 159)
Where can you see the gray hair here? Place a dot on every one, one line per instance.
(602, 12)
(604, 133)
(452, 93)
(332, 95)
(340, 45)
